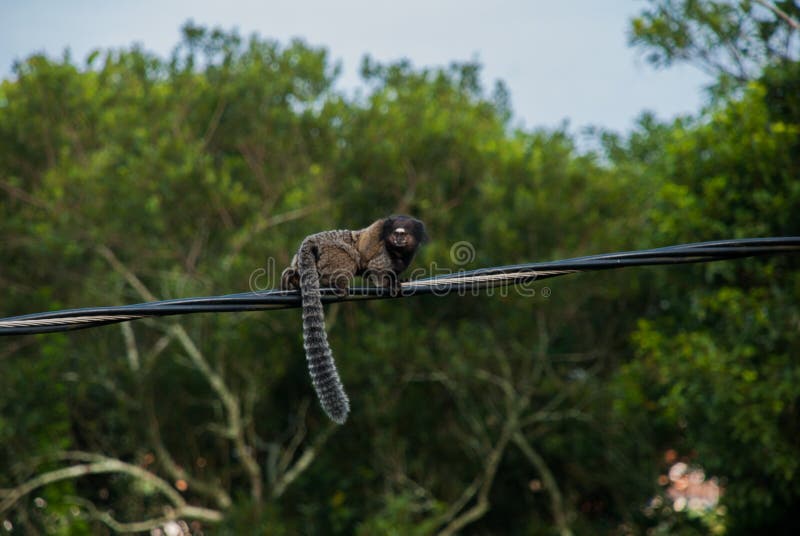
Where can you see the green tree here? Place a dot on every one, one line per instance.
(133, 177)
(733, 40)
(716, 369)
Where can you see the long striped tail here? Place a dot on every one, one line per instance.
(321, 366)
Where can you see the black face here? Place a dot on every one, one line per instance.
(403, 232)
(403, 235)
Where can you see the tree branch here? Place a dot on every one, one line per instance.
(234, 430)
(262, 223)
(146, 525)
(550, 484)
(309, 454)
(98, 464)
(130, 346)
(483, 484)
(482, 505)
(780, 13)
(22, 195)
(176, 471)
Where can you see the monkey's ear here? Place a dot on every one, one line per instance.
(419, 232)
(388, 227)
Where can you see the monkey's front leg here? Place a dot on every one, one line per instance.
(394, 285)
(380, 273)
(386, 279)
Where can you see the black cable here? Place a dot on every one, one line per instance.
(482, 278)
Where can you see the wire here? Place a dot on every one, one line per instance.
(484, 278)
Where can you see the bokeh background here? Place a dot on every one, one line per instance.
(176, 149)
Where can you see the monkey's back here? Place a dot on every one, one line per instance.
(336, 255)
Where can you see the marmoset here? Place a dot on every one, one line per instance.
(378, 253)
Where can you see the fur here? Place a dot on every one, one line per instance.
(379, 253)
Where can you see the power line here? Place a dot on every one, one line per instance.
(440, 285)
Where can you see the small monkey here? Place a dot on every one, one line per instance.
(379, 253)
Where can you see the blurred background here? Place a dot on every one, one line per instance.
(161, 150)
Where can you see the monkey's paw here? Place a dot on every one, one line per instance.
(290, 279)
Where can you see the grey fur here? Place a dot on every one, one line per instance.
(321, 365)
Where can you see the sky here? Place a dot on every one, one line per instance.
(561, 60)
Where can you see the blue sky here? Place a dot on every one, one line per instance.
(561, 60)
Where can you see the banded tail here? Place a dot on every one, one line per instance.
(321, 366)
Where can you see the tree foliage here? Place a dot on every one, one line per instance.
(134, 177)
(733, 40)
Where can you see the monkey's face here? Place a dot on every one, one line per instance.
(403, 233)
(400, 238)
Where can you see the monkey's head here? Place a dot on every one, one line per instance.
(403, 235)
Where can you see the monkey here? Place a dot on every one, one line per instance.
(378, 253)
